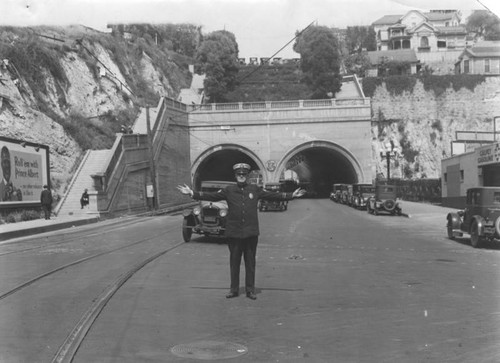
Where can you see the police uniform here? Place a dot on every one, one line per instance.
(242, 226)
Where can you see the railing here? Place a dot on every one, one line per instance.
(245, 106)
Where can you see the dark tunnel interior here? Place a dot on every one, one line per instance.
(317, 169)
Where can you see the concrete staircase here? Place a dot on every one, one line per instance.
(93, 162)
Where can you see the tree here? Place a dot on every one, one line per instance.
(357, 63)
(217, 58)
(484, 24)
(320, 60)
(359, 38)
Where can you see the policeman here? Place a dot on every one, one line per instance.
(242, 224)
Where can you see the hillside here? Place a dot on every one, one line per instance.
(73, 87)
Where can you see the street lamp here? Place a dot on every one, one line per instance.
(390, 151)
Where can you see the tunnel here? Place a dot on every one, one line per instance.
(318, 168)
(219, 166)
(315, 168)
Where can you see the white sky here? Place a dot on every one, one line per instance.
(261, 27)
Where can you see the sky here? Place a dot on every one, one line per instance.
(261, 27)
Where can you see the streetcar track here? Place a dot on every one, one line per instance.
(112, 229)
(77, 262)
(73, 341)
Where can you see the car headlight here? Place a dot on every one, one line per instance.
(196, 211)
(223, 212)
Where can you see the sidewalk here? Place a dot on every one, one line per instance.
(28, 228)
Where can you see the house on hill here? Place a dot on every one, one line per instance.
(482, 58)
(422, 32)
(379, 59)
(436, 37)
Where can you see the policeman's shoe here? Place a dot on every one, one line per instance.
(231, 294)
(251, 295)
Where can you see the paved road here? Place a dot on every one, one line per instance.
(333, 284)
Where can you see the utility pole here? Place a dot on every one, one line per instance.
(152, 165)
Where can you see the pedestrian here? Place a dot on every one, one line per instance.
(46, 199)
(242, 224)
(84, 200)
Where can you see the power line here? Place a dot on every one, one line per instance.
(283, 47)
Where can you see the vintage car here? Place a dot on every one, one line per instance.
(336, 192)
(384, 199)
(480, 218)
(345, 194)
(281, 205)
(207, 218)
(360, 194)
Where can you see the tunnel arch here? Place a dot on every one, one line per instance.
(216, 163)
(321, 163)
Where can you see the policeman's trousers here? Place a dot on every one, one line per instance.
(248, 248)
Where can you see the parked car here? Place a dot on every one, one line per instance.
(345, 195)
(480, 218)
(207, 218)
(336, 192)
(384, 200)
(361, 193)
(281, 205)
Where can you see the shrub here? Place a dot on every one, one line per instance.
(29, 215)
(10, 218)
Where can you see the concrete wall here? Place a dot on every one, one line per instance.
(277, 133)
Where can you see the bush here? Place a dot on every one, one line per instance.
(29, 215)
(10, 219)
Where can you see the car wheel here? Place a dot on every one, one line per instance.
(186, 231)
(475, 238)
(449, 229)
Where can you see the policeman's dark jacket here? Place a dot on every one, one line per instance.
(242, 219)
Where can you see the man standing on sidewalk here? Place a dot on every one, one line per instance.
(46, 200)
(242, 224)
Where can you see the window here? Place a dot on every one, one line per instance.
(486, 66)
(496, 197)
(445, 177)
(441, 43)
(461, 176)
(466, 66)
(424, 42)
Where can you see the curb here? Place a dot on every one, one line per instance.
(41, 229)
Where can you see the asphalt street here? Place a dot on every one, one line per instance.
(334, 284)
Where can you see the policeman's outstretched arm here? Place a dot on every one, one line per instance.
(185, 189)
(297, 193)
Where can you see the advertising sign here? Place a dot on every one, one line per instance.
(489, 154)
(24, 171)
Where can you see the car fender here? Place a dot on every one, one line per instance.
(191, 220)
(480, 224)
(455, 220)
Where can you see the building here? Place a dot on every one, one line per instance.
(480, 167)
(403, 56)
(437, 30)
(482, 58)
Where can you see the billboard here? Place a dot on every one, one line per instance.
(24, 171)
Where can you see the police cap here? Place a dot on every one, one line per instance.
(241, 168)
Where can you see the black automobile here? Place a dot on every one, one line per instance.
(384, 200)
(207, 218)
(279, 205)
(336, 192)
(480, 218)
(361, 193)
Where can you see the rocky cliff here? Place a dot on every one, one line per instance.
(102, 79)
(98, 78)
(423, 125)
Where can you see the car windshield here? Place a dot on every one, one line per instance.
(496, 197)
(367, 189)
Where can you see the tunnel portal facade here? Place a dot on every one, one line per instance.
(316, 146)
